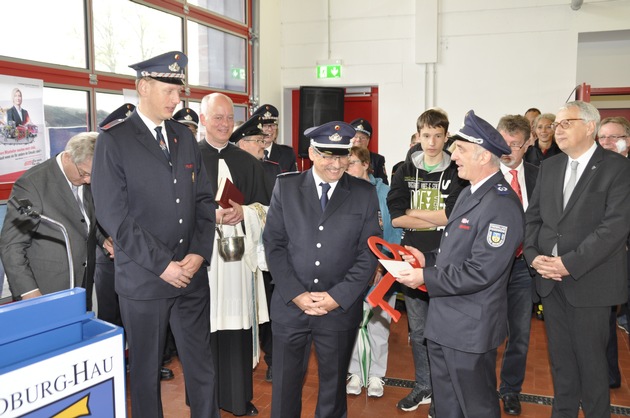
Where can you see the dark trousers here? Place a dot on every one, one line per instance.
(464, 384)
(577, 338)
(519, 293)
(265, 333)
(146, 322)
(290, 359)
(232, 351)
(106, 297)
(612, 351)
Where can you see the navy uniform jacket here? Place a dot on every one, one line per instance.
(284, 156)
(311, 251)
(591, 232)
(467, 277)
(34, 251)
(378, 165)
(155, 213)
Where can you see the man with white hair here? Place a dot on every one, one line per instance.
(577, 227)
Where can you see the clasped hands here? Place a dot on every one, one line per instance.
(180, 273)
(315, 303)
(550, 267)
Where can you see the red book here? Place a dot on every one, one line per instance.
(228, 191)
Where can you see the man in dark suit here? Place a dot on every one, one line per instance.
(33, 251)
(362, 139)
(152, 194)
(577, 227)
(614, 135)
(281, 154)
(17, 114)
(467, 277)
(316, 247)
(521, 176)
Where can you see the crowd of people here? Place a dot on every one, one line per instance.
(500, 220)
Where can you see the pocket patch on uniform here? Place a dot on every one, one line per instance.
(496, 235)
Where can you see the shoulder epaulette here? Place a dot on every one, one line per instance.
(288, 173)
(502, 189)
(113, 123)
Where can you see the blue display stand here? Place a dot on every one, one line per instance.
(57, 360)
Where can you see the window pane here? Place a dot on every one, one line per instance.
(240, 114)
(66, 113)
(234, 9)
(106, 103)
(47, 31)
(126, 33)
(221, 61)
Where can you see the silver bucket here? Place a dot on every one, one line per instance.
(231, 248)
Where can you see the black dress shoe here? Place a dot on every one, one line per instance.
(511, 404)
(269, 375)
(167, 359)
(250, 410)
(614, 385)
(166, 374)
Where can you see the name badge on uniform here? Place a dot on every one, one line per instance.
(496, 235)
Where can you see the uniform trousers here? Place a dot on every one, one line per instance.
(145, 323)
(106, 296)
(464, 384)
(378, 336)
(417, 306)
(292, 347)
(519, 293)
(577, 339)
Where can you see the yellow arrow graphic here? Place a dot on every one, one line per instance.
(77, 409)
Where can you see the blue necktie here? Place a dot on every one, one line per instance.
(162, 143)
(324, 199)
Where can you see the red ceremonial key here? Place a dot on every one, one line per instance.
(377, 295)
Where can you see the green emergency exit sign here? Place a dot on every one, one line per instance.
(329, 71)
(238, 73)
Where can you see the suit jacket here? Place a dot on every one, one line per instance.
(315, 251)
(20, 118)
(283, 155)
(156, 213)
(591, 231)
(467, 277)
(34, 251)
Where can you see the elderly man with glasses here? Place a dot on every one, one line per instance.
(316, 247)
(575, 240)
(521, 175)
(33, 252)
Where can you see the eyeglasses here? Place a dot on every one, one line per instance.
(612, 137)
(331, 158)
(353, 162)
(565, 123)
(260, 141)
(271, 126)
(515, 146)
(82, 174)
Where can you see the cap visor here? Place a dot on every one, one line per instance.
(170, 80)
(334, 151)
